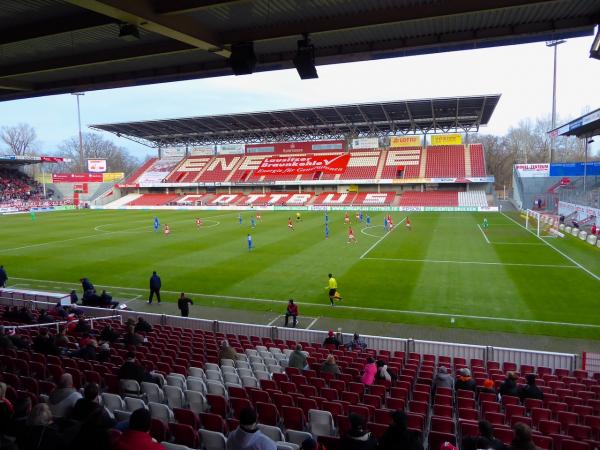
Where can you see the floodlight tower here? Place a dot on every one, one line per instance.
(79, 94)
(554, 44)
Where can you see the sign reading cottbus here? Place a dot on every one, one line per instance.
(446, 139)
(298, 165)
(405, 141)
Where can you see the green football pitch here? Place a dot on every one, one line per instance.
(445, 271)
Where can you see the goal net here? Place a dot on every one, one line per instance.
(542, 224)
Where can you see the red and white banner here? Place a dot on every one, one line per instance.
(532, 170)
(298, 165)
(53, 159)
(77, 178)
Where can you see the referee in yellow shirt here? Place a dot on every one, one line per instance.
(332, 286)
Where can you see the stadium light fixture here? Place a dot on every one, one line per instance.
(243, 59)
(304, 61)
(129, 32)
(554, 44)
(595, 49)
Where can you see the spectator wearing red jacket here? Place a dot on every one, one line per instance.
(137, 437)
(593, 231)
(292, 310)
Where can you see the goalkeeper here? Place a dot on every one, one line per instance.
(485, 223)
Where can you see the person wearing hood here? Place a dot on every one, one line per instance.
(464, 381)
(398, 435)
(63, 398)
(443, 379)
(357, 437)
(509, 386)
(298, 359)
(330, 366)
(247, 436)
(530, 390)
(331, 340)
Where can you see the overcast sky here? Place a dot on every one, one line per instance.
(522, 74)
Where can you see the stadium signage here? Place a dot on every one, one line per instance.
(532, 170)
(96, 165)
(298, 165)
(365, 143)
(405, 141)
(77, 178)
(446, 139)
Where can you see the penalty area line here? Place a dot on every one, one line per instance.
(351, 308)
(483, 263)
(589, 272)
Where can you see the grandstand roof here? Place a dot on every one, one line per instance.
(585, 126)
(434, 115)
(62, 46)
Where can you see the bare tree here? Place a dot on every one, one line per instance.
(20, 139)
(96, 147)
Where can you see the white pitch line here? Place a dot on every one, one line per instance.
(483, 263)
(555, 249)
(310, 325)
(350, 308)
(273, 321)
(380, 239)
(483, 232)
(516, 243)
(362, 230)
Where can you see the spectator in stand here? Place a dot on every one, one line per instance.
(464, 381)
(226, 351)
(64, 397)
(291, 311)
(247, 436)
(398, 436)
(61, 340)
(183, 304)
(530, 390)
(357, 343)
(369, 372)
(6, 407)
(298, 358)
(41, 433)
(87, 352)
(88, 406)
(108, 334)
(382, 372)
(330, 366)
(3, 276)
(18, 424)
(132, 370)
(522, 439)
(137, 436)
(73, 297)
(331, 340)
(155, 285)
(485, 439)
(82, 326)
(443, 379)
(44, 317)
(593, 232)
(132, 338)
(103, 354)
(44, 343)
(87, 286)
(509, 386)
(357, 437)
(5, 341)
(488, 387)
(25, 315)
(142, 326)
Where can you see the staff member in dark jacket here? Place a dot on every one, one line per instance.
(155, 286)
(3, 277)
(184, 305)
(530, 390)
(509, 386)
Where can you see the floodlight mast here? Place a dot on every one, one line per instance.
(554, 44)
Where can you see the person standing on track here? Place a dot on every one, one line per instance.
(155, 285)
(3, 277)
(332, 286)
(184, 305)
(292, 310)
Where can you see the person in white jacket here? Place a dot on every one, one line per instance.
(247, 436)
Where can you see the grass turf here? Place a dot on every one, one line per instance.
(439, 273)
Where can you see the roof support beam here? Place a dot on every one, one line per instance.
(390, 15)
(141, 13)
(12, 85)
(186, 6)
(101, 57)
(53, 27)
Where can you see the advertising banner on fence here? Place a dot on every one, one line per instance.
(205, 150)
(298, 165)
(112, 176)
(575, 169)
(230, 149)
(77, 178)
(365, 143)
(96, 165)
(405, 141)
(446, 139)
(532, 170)
(172, 152)
(583, 212)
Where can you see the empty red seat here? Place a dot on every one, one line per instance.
(184, 435)
(267, 413)
(293, 418)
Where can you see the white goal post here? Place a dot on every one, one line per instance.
(543, 224)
